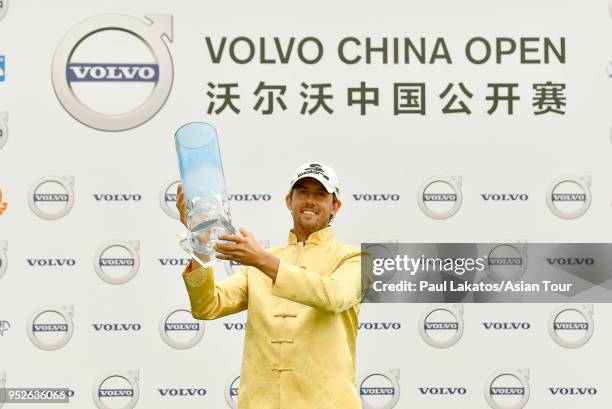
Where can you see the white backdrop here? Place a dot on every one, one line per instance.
(118, 176)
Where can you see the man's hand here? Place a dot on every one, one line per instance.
(180, 204)
(245, 250)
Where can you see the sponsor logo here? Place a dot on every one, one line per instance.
(571, 326)
(508, 389)
(237, 326)
(51, 327)
(117, 262)
(232, 267)
(564, 391)
(4, 326)
(442, 390)
(75, 78)
(570, 261)
(116, 389)
(379, 389)
(569, 197)
(173, 261)
(376, 197)
(179, 329)
(117, 327)
(441, 326)
(231, 391)
(3, 127)
(506, 325)
(507, 261)
(3, 257)
(51, 262)
(167, 198)
(3, 10)
(52, 198)
(249, 197)
(504, 197)
(2, 68)
(182, 392)
(123, 197)
(440, 197)
(380, 325)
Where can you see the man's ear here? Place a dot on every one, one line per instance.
(288, 201)
(336, 206)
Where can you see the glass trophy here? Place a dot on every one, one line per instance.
(206, 201)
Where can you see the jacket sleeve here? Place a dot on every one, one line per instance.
(210, 300)
(334, 293)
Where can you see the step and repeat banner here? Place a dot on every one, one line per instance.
(447, 122)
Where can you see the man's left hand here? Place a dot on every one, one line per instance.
(245, 250)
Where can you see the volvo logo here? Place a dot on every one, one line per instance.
(81, 83)
(376, 197)
(440, 197)
(117, 262)
(116, 390)
(179, 329)
(52, 198)
(571, 326)
(51, 327)
(507, 389)
(441, 326)
(3, 257)
(380, 389)
(507, 261)
(231, 391)
(167, 198)
(3, 119)
(569, 197)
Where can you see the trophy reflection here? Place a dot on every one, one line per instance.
(206, 201)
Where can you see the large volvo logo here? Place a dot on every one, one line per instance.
(379, 389)
(507, 389)
(231, 391)
(101, 54)
(441, 326)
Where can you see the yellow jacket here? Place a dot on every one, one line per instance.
(299, 347)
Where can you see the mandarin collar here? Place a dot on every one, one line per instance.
(316, 237)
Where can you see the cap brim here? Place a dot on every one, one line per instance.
(320, 178)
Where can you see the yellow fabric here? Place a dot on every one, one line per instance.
(299, 348)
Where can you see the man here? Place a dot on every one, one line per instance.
(303, 303)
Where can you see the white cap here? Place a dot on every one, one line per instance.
(322, 173)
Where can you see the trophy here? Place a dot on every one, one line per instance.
(206, 201)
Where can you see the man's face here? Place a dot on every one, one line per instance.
(311, 205)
